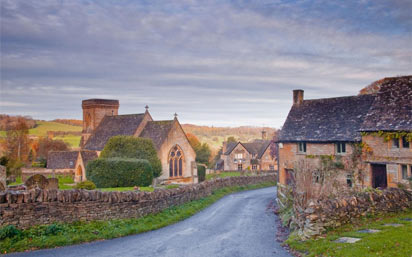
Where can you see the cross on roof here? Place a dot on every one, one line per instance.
(147, 108)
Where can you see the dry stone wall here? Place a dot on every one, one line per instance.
(2, 177)
(34, 207)
(319, 216)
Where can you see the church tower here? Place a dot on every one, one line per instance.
(94, 111)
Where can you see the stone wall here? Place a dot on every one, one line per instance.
(319, 216)
(34, 207)
(3, 176)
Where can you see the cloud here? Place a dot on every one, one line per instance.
(214, 62)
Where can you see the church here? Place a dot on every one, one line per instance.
(101, 121)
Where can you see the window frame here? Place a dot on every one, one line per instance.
(405, 143)
(302, 147)
(340, 148)
(395, 143)
(240, 167)
(406, 171)
(254, 166)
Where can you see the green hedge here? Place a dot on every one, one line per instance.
(133, 147)
(119, 172)
(201, 173)
(89, 185)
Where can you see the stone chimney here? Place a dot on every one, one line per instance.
(224, 148)
(297, 96)
(263, 135)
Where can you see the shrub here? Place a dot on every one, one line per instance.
(118, 172)
(132, 147)
(89, 185)
(53, 229)
(201, 173)
(9, 232)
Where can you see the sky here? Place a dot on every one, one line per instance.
(216, 63)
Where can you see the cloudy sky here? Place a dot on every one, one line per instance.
(221, 63)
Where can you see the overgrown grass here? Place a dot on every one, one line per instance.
(55, 235)
(390, 241)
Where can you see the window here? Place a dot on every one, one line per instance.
(302, 147)
(240, 167)
(340, 148)
(405, 143)
(395, 143)
(271, 167)
(176, 162)
(254, 167)
(404, 170)
(349, 180)
(239, 156)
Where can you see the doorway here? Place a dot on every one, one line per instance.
(379, 178)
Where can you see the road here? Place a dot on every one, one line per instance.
(241, 224)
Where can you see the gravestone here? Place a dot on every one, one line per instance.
(37, 180)
(2, 178)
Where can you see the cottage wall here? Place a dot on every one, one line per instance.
(231, 164)
(267, 161)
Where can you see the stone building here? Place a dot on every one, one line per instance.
(101, 122)
(342, 127)
(238, 156)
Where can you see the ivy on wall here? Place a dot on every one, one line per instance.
(390, 135)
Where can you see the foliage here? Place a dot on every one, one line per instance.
(193, 141)
(231, 139)
(9, 232)
(201, 173)
(118, 172)
(226, 174)
(132, 147)
(390, 241)
(44, 145)
(53, 229)
(390, 135)
(89, 185)
(17, 141)
(82, 231)
(203, 154)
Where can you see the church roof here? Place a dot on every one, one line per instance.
(326, 120)
(392, 108)
(157, 131)
(62, 159)
(118, 125)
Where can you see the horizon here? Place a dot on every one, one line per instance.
(220, 64)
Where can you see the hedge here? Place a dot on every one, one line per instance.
(119, 172)
(201, 173)
(133, 147)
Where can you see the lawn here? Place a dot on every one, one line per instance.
(55, 235)
(227, 174)
(390, 241)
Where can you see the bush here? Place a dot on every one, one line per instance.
(118, 172)
(201, 173)
(53, 229)
(9, 232)
(89, 185)
(132, 147)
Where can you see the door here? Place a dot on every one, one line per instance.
(379, 178)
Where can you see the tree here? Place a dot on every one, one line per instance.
(135, 148)
(231, 139)
(203, 154)
(193, 141)
(44, 145)
(17, 141)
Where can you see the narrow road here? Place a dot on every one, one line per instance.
(240, 224)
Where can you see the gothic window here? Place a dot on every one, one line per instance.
(176, 162)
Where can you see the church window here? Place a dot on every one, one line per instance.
(176, 162)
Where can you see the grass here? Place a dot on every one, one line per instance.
(123, 189)
(390, 241)
(55, 235)
(73, 141)
(227, 174)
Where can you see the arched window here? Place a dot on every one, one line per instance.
(176, 162)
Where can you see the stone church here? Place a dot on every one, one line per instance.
(101, 121)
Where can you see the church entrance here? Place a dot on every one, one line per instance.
(176, 162)
(79, 174)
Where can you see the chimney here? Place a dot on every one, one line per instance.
(224, 148)
(297, 96)
(263, 135)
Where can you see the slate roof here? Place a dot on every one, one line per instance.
(157, 131)
(257, 147)
(62, 159)
(326, 120)
(88, 156)
(118, 125)
(392, 108)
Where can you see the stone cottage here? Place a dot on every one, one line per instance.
(346, 129)
(239, 156)
(101, 121)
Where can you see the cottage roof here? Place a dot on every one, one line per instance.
(157, 131)
(326, 120)
(62, 159)
(118, 125)
(392, 108)
(257, 147)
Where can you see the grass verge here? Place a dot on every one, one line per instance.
(55, 235)
(390, 241)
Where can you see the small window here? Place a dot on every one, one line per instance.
(349, 180)
(302, 147)
(239, 156)
(271, 167)
(405, 143)
(254, 167)
(395, 143)
(239, 167)
(404, 169)
(341, 148)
